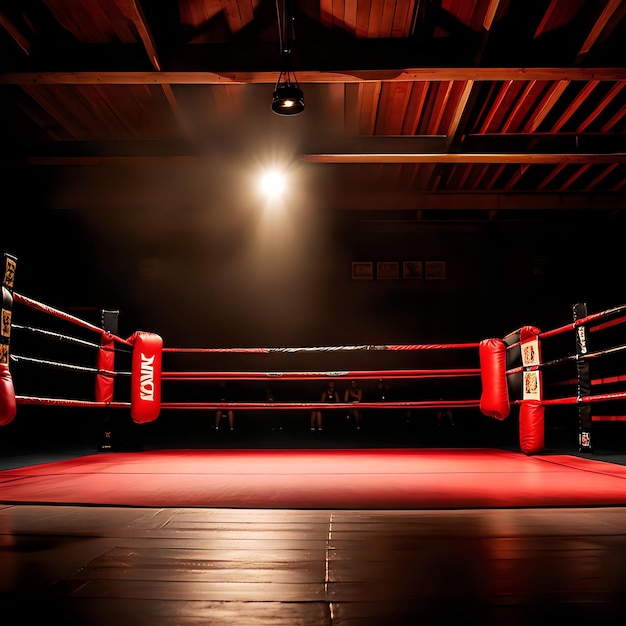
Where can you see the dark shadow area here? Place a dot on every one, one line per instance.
(42, 434)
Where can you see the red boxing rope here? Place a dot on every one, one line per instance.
(366, 375)
(65, 316)
(609, 324)
(580, 322)
(605, 380)
(583, 320)
(33, 400)
(619, 395)
(323, 348)
(423, 404)
(146, 376)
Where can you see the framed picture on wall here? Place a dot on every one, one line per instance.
(435, 270)
(411, 269)
(362, 270)
(387, 270)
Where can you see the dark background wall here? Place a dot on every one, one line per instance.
(204, 269)
(230, 275)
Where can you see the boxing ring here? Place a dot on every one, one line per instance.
(130, 375)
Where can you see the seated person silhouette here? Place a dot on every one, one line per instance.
(224, 395)
(354, 394)
(329, 394)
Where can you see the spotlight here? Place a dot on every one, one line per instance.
(288, 98)
(272, 184)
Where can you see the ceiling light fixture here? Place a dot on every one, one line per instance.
(288, 97)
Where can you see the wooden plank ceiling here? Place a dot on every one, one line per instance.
(490, 108)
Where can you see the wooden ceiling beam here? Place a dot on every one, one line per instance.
(502, 157)
(307, 76)
(14, 32)
(604, 22)
(372, 158)
(138, 18)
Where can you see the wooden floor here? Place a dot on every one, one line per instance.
(178, 566)
(217, 566)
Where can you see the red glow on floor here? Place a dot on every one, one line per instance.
(320, 479)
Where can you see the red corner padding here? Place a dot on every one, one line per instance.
(8, 406)
(528, 332)
(494, 400)
(105, 382)
(531, 427)
(145, 394)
